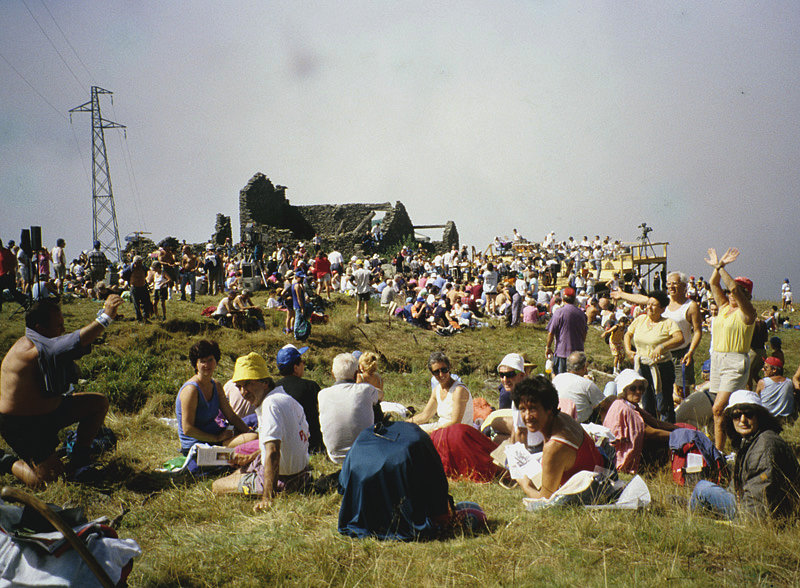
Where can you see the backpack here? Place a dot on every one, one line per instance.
(694, 458)
(302, 328)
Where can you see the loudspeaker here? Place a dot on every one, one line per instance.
(25, 241)
(36, 238)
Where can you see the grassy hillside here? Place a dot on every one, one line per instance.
(191, 537)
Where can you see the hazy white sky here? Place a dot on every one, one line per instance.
(577, 117)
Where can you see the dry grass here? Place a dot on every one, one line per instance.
(190, 537)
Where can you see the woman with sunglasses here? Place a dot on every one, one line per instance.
(766, 475)
(450, 400)
(632, 426)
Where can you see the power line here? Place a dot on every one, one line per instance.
(78, 57)
(128, 159)
(31, 86)
(64, 61)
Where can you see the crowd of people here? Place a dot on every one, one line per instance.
(273, 426)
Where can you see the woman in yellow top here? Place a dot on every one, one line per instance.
(653, 336)
(732, 333)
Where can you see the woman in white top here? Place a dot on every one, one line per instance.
(490, 279)
(450, 400)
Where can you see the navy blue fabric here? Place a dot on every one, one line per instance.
(680, 437)
(393, 485)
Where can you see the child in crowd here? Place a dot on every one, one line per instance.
(160, 281)
(615, 335)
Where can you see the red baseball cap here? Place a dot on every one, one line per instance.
(745, 283)
(774, 361)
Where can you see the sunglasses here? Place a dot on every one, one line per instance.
(441, 371)
(737, 414)
(510, 374)
(635, 387)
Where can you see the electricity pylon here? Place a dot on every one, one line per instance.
(104, 216)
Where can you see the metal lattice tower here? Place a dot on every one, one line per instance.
(104, 216)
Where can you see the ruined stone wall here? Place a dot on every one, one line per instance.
(222, 230)
(396, 226)
(336, 219)
(449, 238)
(264, 210)
(262, 203)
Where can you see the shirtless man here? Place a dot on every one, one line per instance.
(35, 375)
(189, 264)
(140, 295)
(167, 258)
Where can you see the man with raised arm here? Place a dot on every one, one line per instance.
(36, 377)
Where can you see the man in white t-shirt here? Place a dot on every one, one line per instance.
(575, 386)
(282, 462)
(346, 408)
(363, 281)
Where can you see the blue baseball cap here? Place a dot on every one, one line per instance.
(289, 354)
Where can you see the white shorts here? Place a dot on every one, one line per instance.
(729, 371)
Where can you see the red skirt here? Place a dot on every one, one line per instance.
(465, 453)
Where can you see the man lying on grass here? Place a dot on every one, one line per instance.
(36, 376)
(282, 459)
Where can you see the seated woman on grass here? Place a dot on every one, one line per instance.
(633, 427)
(567, 449)
(368, 370)
(199, 402)
(766, 475)
(450, 400)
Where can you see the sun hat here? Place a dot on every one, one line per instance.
(626, 378)
(289, 354)
(513, 361)
(250, 367)
(745, 398)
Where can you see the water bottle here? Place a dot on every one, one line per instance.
(548, 367)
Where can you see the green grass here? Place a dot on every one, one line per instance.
(190, 537)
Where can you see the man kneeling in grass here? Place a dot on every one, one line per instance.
(282, 460)
(36, 402)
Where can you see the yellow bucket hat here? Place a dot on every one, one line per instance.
(250, 367)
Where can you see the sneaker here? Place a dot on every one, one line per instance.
(366, 319)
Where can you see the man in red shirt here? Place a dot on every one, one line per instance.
(8, 276)
(322, 272)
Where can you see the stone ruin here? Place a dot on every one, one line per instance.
(222, 230)
(266, 215)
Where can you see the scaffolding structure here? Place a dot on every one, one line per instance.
(104, 216)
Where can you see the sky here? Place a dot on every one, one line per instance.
(581, 118)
